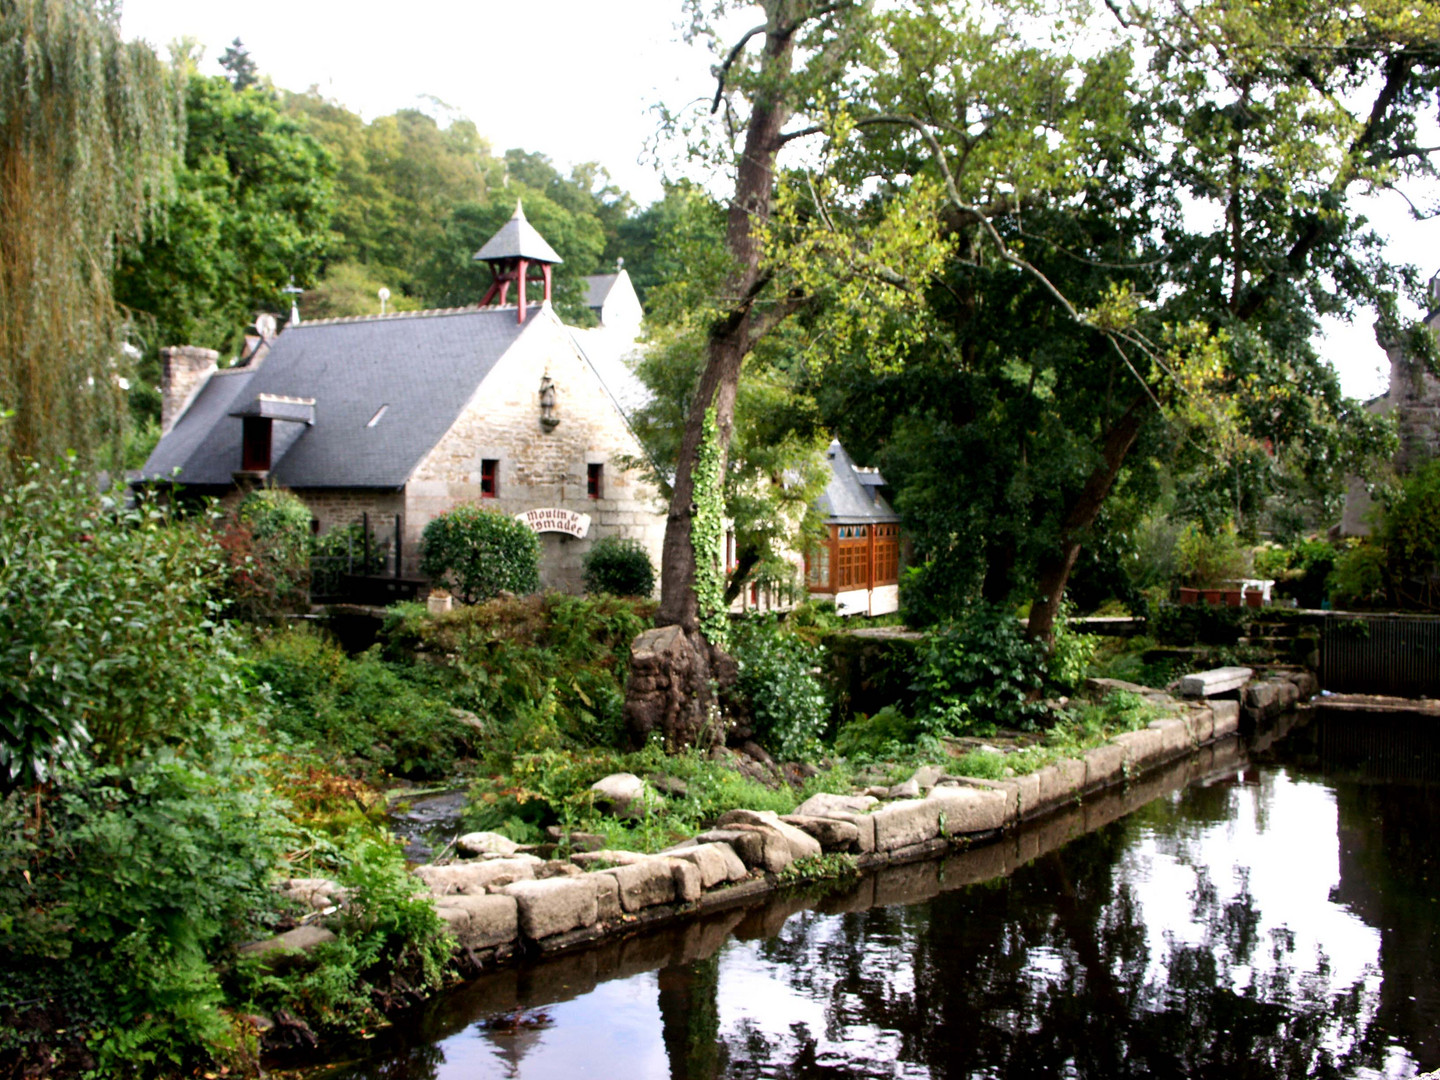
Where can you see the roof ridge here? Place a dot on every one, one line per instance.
(341, 319)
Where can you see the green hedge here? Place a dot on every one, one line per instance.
(480, 553)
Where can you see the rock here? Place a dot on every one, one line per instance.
(802, 845)
(689, 883)
(584, 841)
(1264, 700)
(927, 776)
(759, 847)
(486, 843)
(1227, 718)
(316, 893)
(480, 922)
(557, 868)
(823, 805)
(552, 907)
(910, 821)
(1104, 765)
(674, 677)
(669, 785)
(472, 878)
(607, 857)
(906, 789)
(831, 834)
(644, 884)
(754, 750)
(971, 810)
(1215, 681)
(716, 862)
(1306, 683)
(301, 939)
(622, 794)
(607, 898)
(877, 792)
(1102, 688)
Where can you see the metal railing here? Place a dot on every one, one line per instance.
(1381, 654)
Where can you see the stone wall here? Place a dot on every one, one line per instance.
(183, 368)
(540, 467)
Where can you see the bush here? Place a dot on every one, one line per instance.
(777, 678)
(339, 552)
(267, 540)
(1208, 560)
(481, 553)
(619, 567)
(107, 633)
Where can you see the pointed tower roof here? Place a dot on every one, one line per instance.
(517, 239)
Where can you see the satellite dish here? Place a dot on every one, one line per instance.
(384, 295)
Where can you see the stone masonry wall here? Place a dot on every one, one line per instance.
(540, 468)
(182, 369)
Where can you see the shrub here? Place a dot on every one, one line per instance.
(1208, 559)
(979, 672)
(481, 553)
(888, 733)
(267, 540)
(777, 678)
(107, 631)
(619, 567)
(339, 552)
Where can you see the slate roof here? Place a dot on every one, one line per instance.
(426, 366)
(517, 238)
(849, 500)
(597, 288)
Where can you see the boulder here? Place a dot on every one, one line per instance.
(1227, 717)
(301, 939)
(556, 868)
(623, 794)
(802, 845)
(824, 804)
(486, 843)
(970, 810)
(1216, 681)
(689, 883)
(910, 821)
(717, 863)
(831, 833)
(607, 898)
(906, 789)
(927, 776)
(643, 884)
(555, 906)
(473, 878)
(316, 893)
(607, 857)
(759, 847)
(480, 922)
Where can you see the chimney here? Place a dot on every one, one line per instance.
(184, 369)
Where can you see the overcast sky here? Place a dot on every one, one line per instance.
(576, 80)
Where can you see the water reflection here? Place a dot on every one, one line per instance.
(1263, 923)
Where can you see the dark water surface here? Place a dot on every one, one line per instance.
(1264, 915)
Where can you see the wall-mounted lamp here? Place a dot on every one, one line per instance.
(548, 419)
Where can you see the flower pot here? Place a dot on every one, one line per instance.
(1254, 597)
(1214, 596)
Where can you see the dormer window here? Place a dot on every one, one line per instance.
(255, 444)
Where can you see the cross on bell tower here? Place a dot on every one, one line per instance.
(513, 253)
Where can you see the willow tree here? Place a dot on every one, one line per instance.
(88, 129)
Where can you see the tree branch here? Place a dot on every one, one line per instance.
(729, 62)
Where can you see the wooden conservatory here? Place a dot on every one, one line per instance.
(859, 566)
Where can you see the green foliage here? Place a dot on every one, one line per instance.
(1300, 570)
(707, 537)
(1211, 559)
(339, 552)
(886, 735)
(267, 540)
(835, 866)
(107, 638)
(619, 567)
(778, 679)
(88, 146)
(480, 553)
(1399, 564)
(252, 210)
(1197, 624)
(371, 716)
(1359, 576)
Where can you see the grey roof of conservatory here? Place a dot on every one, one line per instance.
(424, 367)
(846, 500)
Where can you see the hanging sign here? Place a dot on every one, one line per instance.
(553, 519)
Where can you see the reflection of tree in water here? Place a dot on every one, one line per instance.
(1051, 972)
(690, 1019)
(419, 1062)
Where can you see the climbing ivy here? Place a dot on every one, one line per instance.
(707, 534)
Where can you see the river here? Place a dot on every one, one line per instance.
(1276, 917)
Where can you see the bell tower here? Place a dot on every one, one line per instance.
(513, 255)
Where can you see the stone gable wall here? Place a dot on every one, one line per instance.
(540, 468)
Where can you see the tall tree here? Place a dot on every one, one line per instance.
(88, 129)
(240, 64)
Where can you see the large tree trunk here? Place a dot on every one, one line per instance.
(671, 680)
(1054, 570)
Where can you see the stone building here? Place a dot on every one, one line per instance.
(401, 417)
(1413, 400)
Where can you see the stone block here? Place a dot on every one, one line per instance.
(1227, 718)
(1306, 683)
(748, 844)
(686, 879)
(910, 821)
(802, 845)
(644, 884)
(1104, 765)
(590, 860)
(1009, 788)
(1144, 748)
(1175, 737)
(832, 834)
(301, 939)
(607, 898)
(717, 863)
(486, 843)
(1060, 782)
(970, 810)
(1202, 724)
(487, 920)
(1216, 681)
(477, 877)
(554, 906)
(824, 804)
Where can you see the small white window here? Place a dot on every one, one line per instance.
(378, 414)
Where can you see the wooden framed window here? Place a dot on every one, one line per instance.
(887, 554)
(595, 481)
(817, 566)
(255, 444)
(489, 478)
(852, 557)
